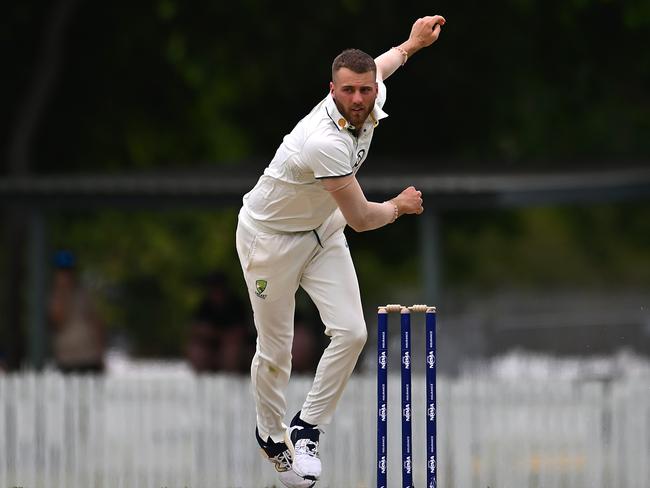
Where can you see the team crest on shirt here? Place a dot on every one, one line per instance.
(360, 156)
(260, 286)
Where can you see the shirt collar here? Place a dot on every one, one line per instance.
(341, 123)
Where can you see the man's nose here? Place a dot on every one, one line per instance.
(357, 98)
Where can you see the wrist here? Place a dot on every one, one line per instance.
(398, 207)
(403, 52)
(411, 46)
(394, 209)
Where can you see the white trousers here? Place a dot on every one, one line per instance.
(274, 265)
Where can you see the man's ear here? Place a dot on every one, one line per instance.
(332, 87)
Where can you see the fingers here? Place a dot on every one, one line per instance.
(434, 19)
(412, 191)
(418, 202)
(435, 22)
(436, 31)
(417, 205)
(412, 199)
(427, 29)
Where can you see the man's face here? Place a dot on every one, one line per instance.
(354, 94)
(64, 279)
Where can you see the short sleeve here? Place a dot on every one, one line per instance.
(328, 158)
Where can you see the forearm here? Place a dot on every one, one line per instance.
(388, 63)
(359, 213)
(409, 201)
(374, 216)
(362, 215)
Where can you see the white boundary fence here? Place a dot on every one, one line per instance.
(197, 432)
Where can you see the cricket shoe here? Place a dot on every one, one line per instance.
(304, 436)
(280, 455)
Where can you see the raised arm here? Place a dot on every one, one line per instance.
(362, 215)
(425, 31)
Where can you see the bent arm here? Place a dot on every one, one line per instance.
(359, 213)
(424, 32)
(362, 215)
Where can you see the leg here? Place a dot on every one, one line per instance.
(331, 282)
(272, 265)
(271, 365)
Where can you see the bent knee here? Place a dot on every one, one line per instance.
(276, 355)
(356, 337)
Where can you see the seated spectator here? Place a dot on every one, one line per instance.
(220, 337)
(78, 333)
(308, 343)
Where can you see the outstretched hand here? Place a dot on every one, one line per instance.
(425, 31)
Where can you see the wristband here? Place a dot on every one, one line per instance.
(403, 52)
(395, 211)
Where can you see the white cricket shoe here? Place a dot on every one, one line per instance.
(280, 455)
(306, 460)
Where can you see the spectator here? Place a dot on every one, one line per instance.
(78, 333)
(219, 338)
(307, 344)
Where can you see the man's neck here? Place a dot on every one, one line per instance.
(355, 132)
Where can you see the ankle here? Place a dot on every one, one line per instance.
(302, 423)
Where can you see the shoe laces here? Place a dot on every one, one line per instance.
(282, 461)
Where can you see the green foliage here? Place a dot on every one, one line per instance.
(602, 245)
(149, 265)
(637, 15)
(386, 259)
(168, 83)
(155, 84)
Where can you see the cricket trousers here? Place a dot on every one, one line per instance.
(275, 264)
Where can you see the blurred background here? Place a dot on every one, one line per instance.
(131, 130)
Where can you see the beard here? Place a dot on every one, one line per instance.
(354, 117)
(358, 117)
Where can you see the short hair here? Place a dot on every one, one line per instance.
(355, 60)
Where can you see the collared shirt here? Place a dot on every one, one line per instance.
(289, 196)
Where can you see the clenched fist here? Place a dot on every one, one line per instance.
(409, 201)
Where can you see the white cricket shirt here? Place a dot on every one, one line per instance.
(289, 197)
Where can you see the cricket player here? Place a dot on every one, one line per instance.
(290, 234)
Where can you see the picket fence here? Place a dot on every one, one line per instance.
(189, 431)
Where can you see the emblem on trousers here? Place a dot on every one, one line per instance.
(260, 286)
